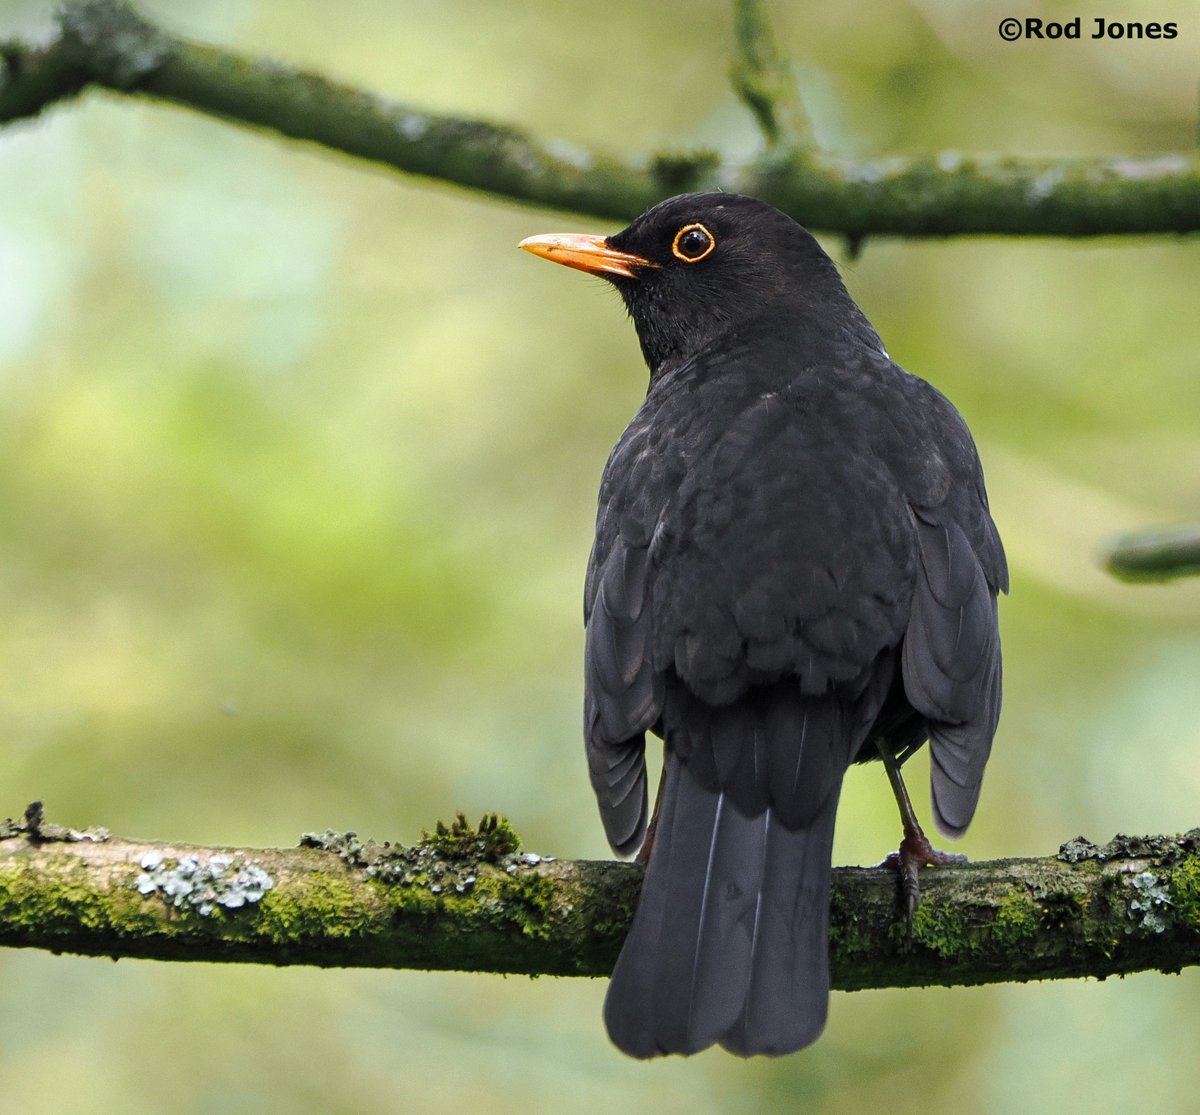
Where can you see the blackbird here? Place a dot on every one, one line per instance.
(794, 569)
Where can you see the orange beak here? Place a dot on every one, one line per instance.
(585, 253)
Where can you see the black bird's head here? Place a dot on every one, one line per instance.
(699, 266)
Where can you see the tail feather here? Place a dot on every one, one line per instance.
(788, 997)
(704, 941)
(730, 940)
(627, 1006)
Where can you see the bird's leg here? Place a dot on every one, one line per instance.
(643, 856)
(915, 850)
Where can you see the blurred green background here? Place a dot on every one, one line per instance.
(298, 463)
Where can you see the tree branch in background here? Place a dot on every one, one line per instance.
(105, 43)
(1155, 555)
(467, 898)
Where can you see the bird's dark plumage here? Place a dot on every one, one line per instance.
(794, 564)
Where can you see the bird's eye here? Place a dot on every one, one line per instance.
(692, 243)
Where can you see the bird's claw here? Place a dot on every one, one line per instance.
(916, 852)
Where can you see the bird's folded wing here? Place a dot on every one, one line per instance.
(951, 662)
(623, 695)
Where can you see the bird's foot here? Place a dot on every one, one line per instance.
(916, 852)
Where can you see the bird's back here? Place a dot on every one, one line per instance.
(765, 495)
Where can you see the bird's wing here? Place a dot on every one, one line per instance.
(623, 694)
(951, 658)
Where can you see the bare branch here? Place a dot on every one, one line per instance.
(104, 43)
(1155, 555)
(468, 899)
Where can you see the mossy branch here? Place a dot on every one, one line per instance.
(1155, 555)
(104, 43)
(466, 898)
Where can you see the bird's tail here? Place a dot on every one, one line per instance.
(730, 942)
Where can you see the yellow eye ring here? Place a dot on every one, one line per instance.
(677, 251)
